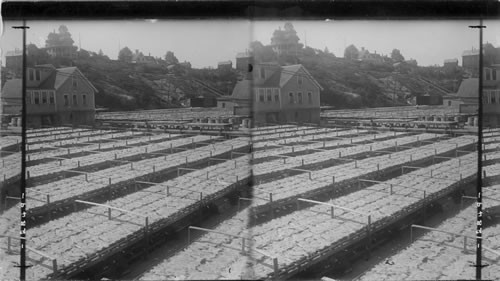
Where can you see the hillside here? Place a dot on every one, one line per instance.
(125, 86)
(357, 84)
(346, 83)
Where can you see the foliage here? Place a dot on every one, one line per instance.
(125, 55)
(397, 56)
(62, 38)
(351, 52)
(170, 58)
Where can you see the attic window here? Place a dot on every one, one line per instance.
(299, 79)
(84, 99)
(309, 97)
(74, 82)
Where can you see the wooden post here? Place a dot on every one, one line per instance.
(331, 211)
(275, 267)
(390, 189)
(333, 179)
(270, 197)
(465, 244)
(109, 213)
(54, 265)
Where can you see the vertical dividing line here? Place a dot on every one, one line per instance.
(22, 268)
(479, 224)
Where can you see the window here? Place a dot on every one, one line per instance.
(449, 103)
(269, 95)
(31, 74)
(262, 73)
(488, 73)
(29, 97)
(493, 98)
(223, 104)
(276, 95)
(299, 79)
(44, 97)
(494, 74)
(310, 97)
(84, 101)
(37, 74)
(299, 97)
(66, 100)
(74, 82)
(75, 102)
(52, 99)
(261, 95)
(291, 97)
(37, 97)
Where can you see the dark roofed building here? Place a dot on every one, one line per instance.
(53, 96)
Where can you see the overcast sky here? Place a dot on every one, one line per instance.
(204, 43)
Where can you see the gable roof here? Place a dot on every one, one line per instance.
(469, 88)
(64, 73)
(55, 80)
(12, 89)
(289, 71)
(242, 90)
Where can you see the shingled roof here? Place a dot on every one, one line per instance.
(56, 79)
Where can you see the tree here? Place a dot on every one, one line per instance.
(397, 56)
(262, 53)
(83, 54)
(326, 51)
(351, 52)
(125, 55)
(170, 58)
(62, 38)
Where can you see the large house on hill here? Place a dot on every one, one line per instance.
(277, 94)
(53, 96)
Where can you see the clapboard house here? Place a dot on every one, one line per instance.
(54, 96)
(277, 94)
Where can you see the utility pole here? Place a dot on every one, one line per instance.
(479, 184)
(22, 263)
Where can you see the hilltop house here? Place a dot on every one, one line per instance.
(470, 59)
(53, 96)
(225, 65)
(243, 60)
(277, 94)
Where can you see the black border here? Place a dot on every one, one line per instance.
(256, 10)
